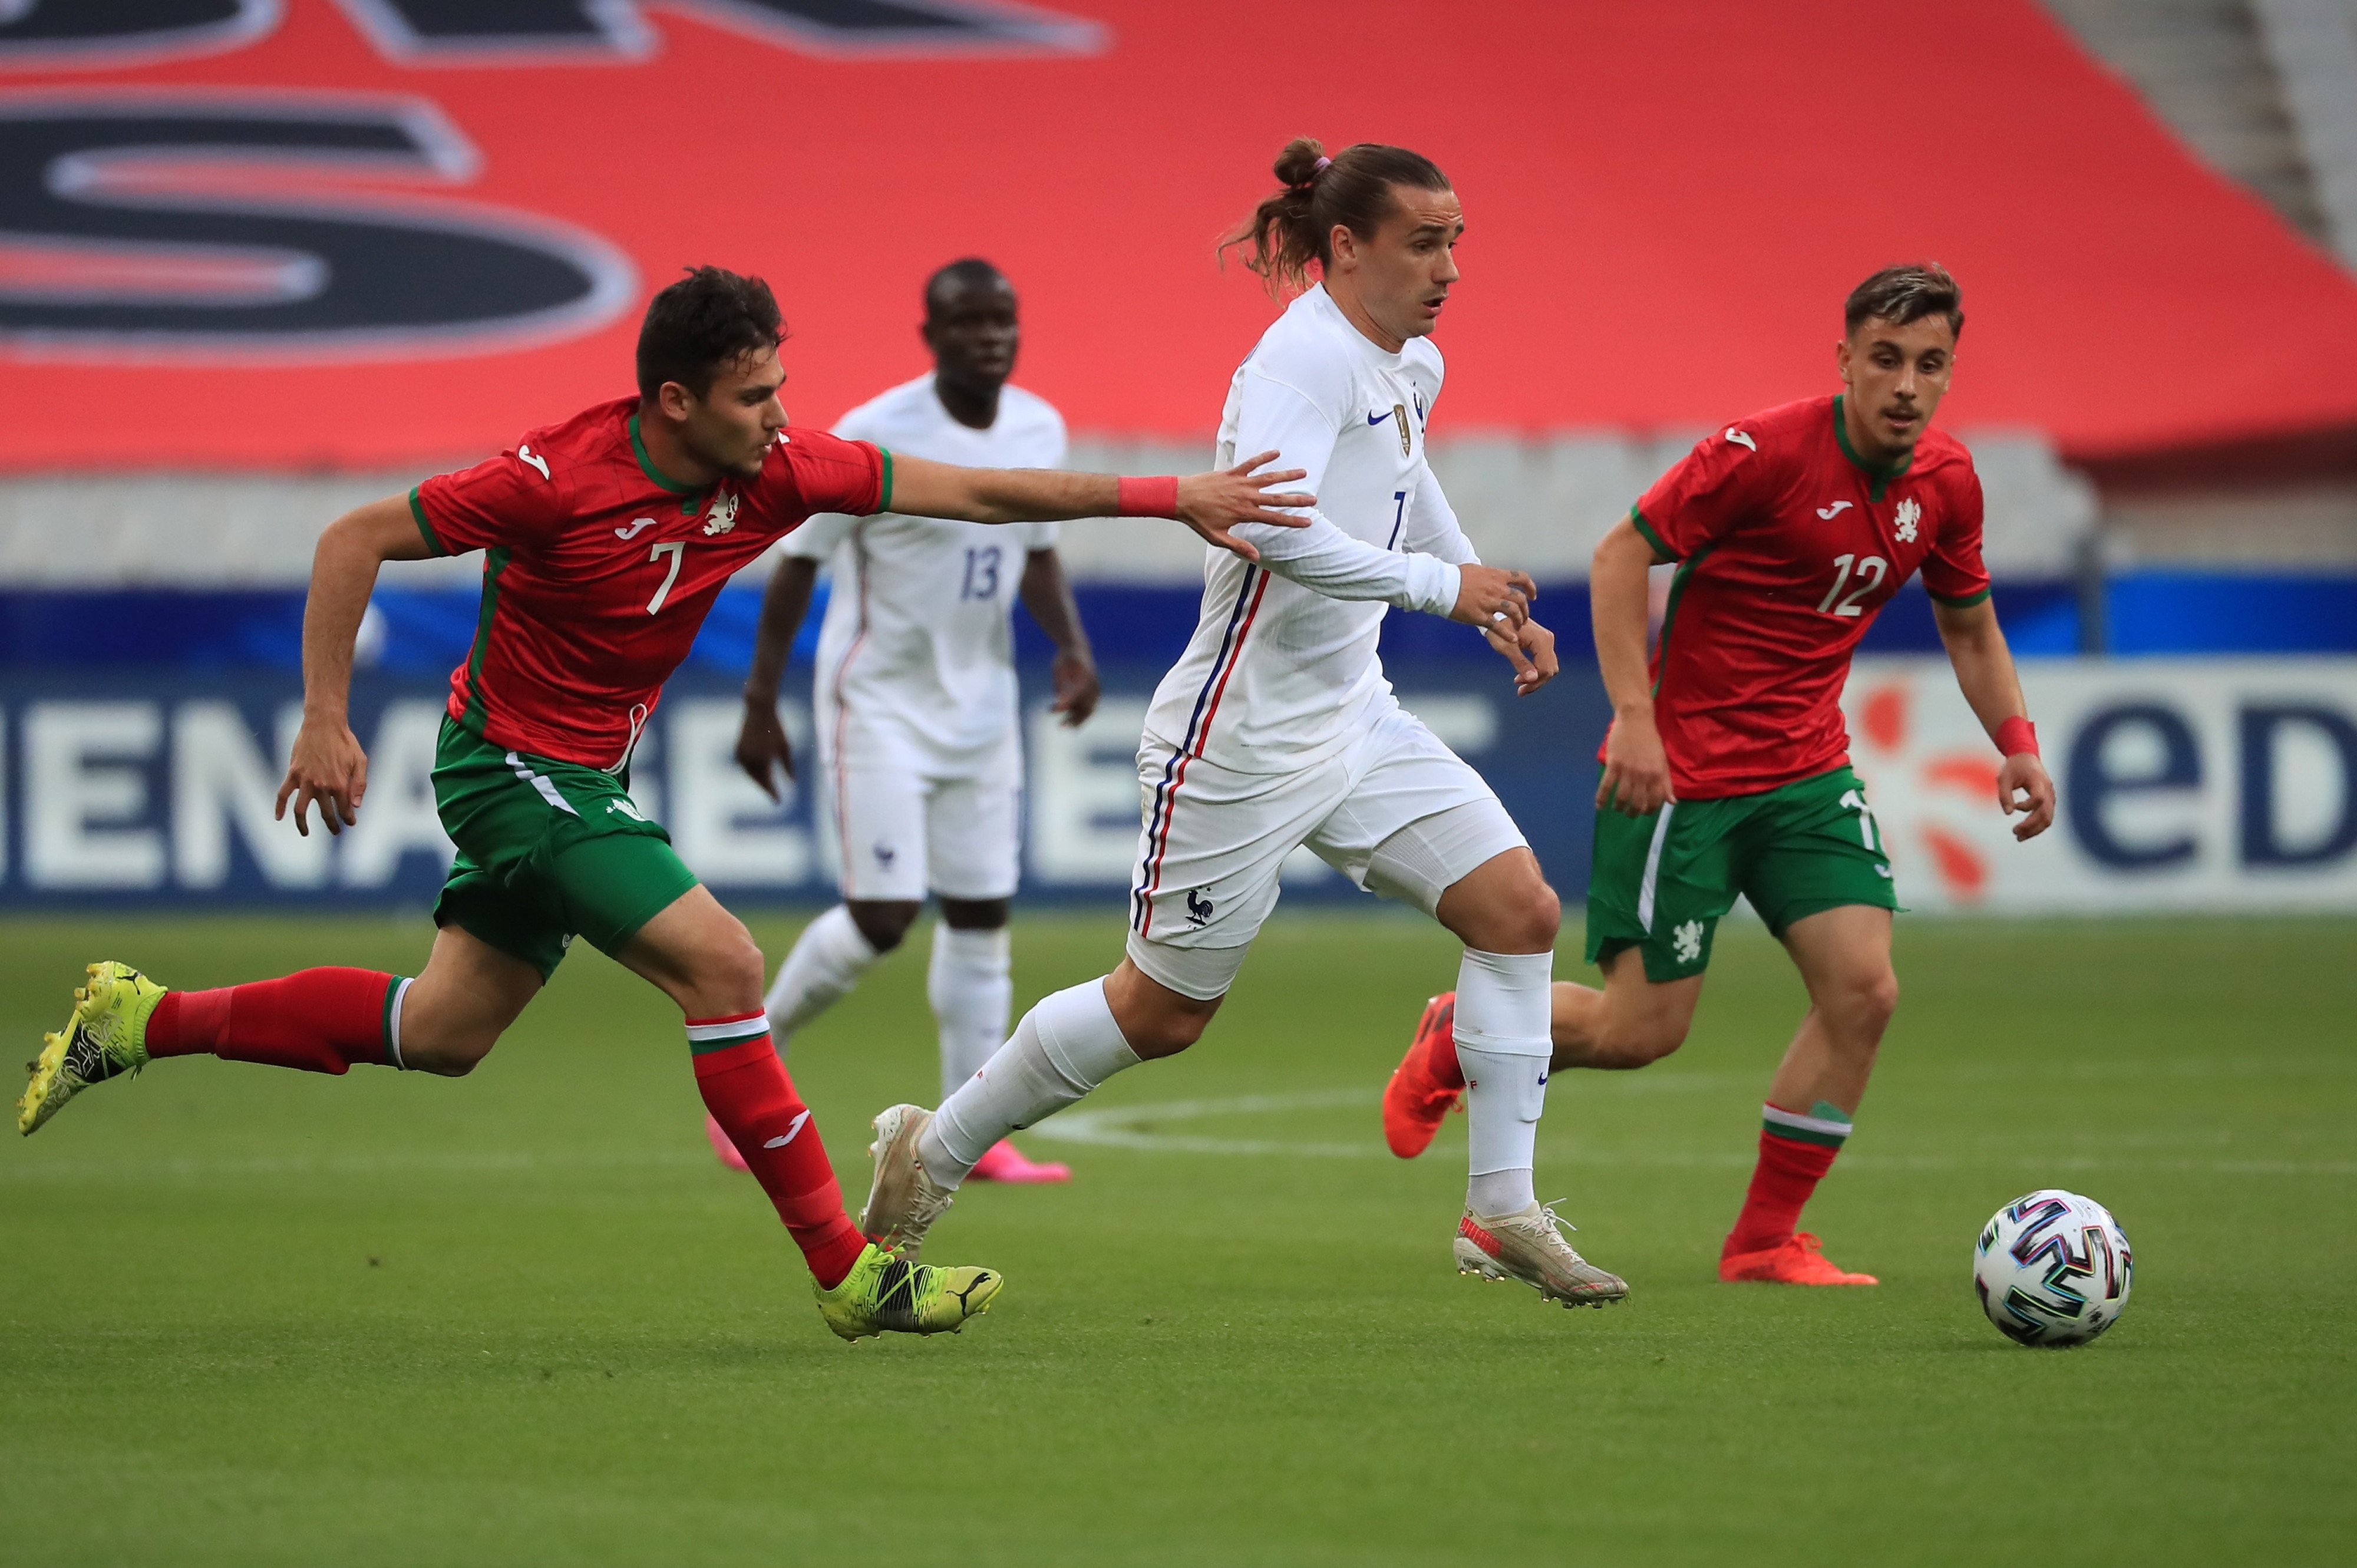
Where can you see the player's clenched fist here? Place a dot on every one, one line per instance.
(1636, 781)
(1488, 595)
(327, 768)
(1213, 503)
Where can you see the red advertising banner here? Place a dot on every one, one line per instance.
(361, 233)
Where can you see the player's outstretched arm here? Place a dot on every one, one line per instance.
(1985, 674)
(1211, 504)
(328, 767)
(1636, 780)
(761, 743)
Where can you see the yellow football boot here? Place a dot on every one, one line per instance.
(105, 1036)
(885, 1293)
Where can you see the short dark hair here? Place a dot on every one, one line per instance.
(966, 271)
(708, 320)
(1295, 226)
(1904, 293)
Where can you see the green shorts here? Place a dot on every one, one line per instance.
(1661, 882)
(546, 849)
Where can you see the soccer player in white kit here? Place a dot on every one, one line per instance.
(920, 745)
(1278, 729)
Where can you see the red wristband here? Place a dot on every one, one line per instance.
(1148, 497)
(2016, 736)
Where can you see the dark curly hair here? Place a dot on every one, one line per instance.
(705, 321)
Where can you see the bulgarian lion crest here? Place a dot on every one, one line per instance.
(1910, 513)
(722, 515)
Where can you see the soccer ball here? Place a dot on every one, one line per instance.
(2052, 1268)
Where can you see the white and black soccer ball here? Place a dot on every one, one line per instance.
(2052, 1268)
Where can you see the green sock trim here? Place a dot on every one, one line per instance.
(384, 1042)
(1826, 1131)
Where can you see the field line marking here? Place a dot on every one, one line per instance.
(1133, 1127)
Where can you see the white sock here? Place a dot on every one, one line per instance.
(828, 959)
(1502, 1044)
(970, 987)
(1064, 1048)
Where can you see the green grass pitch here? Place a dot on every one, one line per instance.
(260, 1317)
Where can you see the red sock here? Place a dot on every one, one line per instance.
(321, 1020)
(1789, 1171)
(746, 1087)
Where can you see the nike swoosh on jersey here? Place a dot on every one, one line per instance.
(1379, 418)
(1740, 439)
(1829, 512)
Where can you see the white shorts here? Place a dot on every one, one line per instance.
(903, 824)
(1395, 811)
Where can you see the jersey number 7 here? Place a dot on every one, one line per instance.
(678, 548)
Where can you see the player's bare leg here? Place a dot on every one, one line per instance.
(319, 1020)
(461, 1003)
(1632, 1022)
(1843, 955)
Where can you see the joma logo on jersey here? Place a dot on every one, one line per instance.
(723, 516)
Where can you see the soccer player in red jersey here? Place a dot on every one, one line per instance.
(606, 539)
(1728, 770)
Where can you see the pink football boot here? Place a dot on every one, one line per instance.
(722, 1146)
(1005, 1162)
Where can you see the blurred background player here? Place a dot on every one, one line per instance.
(920, 738)
(1726, 770)
(1277, 729)
(607, 538)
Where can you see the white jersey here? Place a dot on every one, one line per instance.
(1282, 670)
(916, 640)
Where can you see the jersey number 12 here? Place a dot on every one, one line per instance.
(1870, 573)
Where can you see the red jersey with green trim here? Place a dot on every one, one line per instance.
(598, 570)
(1788, 544)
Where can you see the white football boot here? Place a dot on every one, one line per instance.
(903, 1201)
(1528, 1247)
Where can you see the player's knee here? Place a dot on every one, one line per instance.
(976, 914)
(722, 975)
(885, 925)
(1877, 1000)
(1533, 918)
(1165, 1034)
(735, 968)
(1522, 917)
(1860, 1007)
